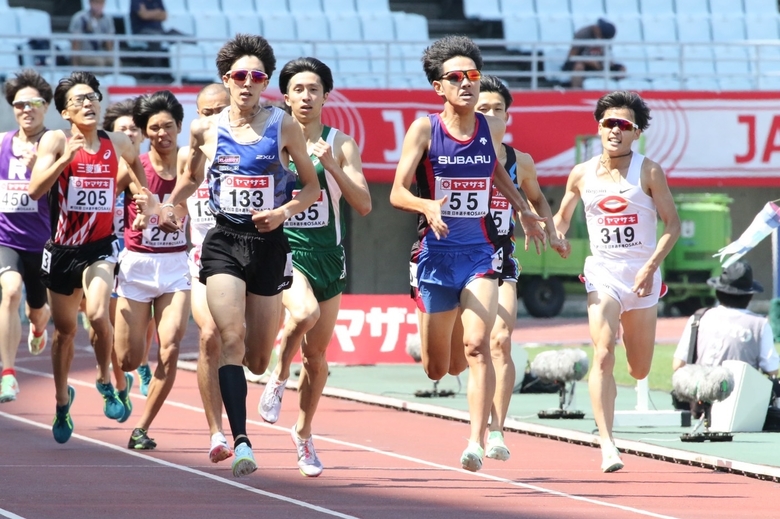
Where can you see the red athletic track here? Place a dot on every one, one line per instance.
(380, 464)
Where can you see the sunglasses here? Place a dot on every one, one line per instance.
(33, 102)
(457, 76)
(239, 76)
(78, 100)
(622, 124)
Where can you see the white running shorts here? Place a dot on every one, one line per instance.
(616, 278)
(145, 276)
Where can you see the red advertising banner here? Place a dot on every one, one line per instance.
(699, 138)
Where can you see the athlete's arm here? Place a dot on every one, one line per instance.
(127, 152)
(415, 144)
(181, 167)
(653, 182)
(529, 183)
(55, 152)
(124, 180)
(562, 219)
(347, 170)
(295, 145)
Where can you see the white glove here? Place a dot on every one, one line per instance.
(766, 221)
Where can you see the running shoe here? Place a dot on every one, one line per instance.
(140, 441)
(220, 450)
(112, 406)
(610, 459)
(308, 462)
(62, 427)
(271, 402)
(245, 463)
(36, 345)
(145, 376)
(496, 448)
(9, 388)
(124, 397)
(471, 459)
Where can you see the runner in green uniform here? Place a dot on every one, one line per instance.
(315, 236)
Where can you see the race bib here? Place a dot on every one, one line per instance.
(466, 197)
(616, 232)
(14, 197)
(317, 214)
(198, 207)
(154, 237)
(90, 195)
(239, 194)
(119, 215)
(501, 212)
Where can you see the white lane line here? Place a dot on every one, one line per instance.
(356, 446)
(184, 468)
(9, 515)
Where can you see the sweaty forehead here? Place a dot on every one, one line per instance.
(248, 63)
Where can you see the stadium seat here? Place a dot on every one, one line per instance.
(702, 84)
(482, 9)
(666, 83)
(661, 66)
(345, 26)
(698, 61)
(552, 7)
(245, 23)
(199, 7)
(372, 6)
(182, 22)
(245, 7)
(621, 8)
(633, 57)
(731, 61)
(730, 7)
(327, 53)
(591, 8)
(176, 6)
(599, 84)
(304, 6)
(117, 80)
(9, 58)
(311, 27)
(694, 7)
(658, 29)
(353, 59)
(212, 27)
(761, 27)
(727, 27)
(32, 22)
(287, 51)
(635, 84)
(278, 27)
(410, 27)
(555, 33)
(520, 32)
(692, 28)
(190, 60)
(768, 83)
(736, 83)
(518, 7)
(761, 7)
(656, 7)
(378, 26)
(338, 6)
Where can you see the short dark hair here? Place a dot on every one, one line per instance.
(146, 106)
(307, 64)
(733, 300)
(624, 99)
(117, 110)
(490, 83)
(445, 49)
(76, 78)
(27, 78)
(245, 45)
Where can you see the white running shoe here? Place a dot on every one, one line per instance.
(308, 462)
(36, 345)
(496, 449)
(471, 459)
(9, 388)
(610, 459)
(245, 463)
(271, 402)
(220, 449)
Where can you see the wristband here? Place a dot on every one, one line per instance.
(167, 205)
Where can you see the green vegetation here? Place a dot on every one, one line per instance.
(660, 374)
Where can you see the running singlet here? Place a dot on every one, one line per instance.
(246, 176)
(500, 208)
(201, 217)
(153, 239)
(621, 218)
(322, 225)
(81, 202)
(462, 171)
(24, 222)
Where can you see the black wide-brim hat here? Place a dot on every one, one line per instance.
(736, 279)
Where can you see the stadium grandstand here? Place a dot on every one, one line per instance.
(710, 45)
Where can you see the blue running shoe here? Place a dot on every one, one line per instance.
(124, 397)
(145, 375)
(112, 406)
(62, 427)
(245, 463)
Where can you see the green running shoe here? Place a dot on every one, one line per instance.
(140, 441)
(62, 427)
(145, 375)
(112, 406)
(124, 397)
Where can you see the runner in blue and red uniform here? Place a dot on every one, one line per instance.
(80, 166)
(455, 265)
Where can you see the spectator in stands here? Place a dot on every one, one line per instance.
(729, 331)
(92, 21)
(147, 16)
(590, 57)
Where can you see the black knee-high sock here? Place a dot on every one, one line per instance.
(232, 383)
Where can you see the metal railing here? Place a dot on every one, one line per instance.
(534, 65)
